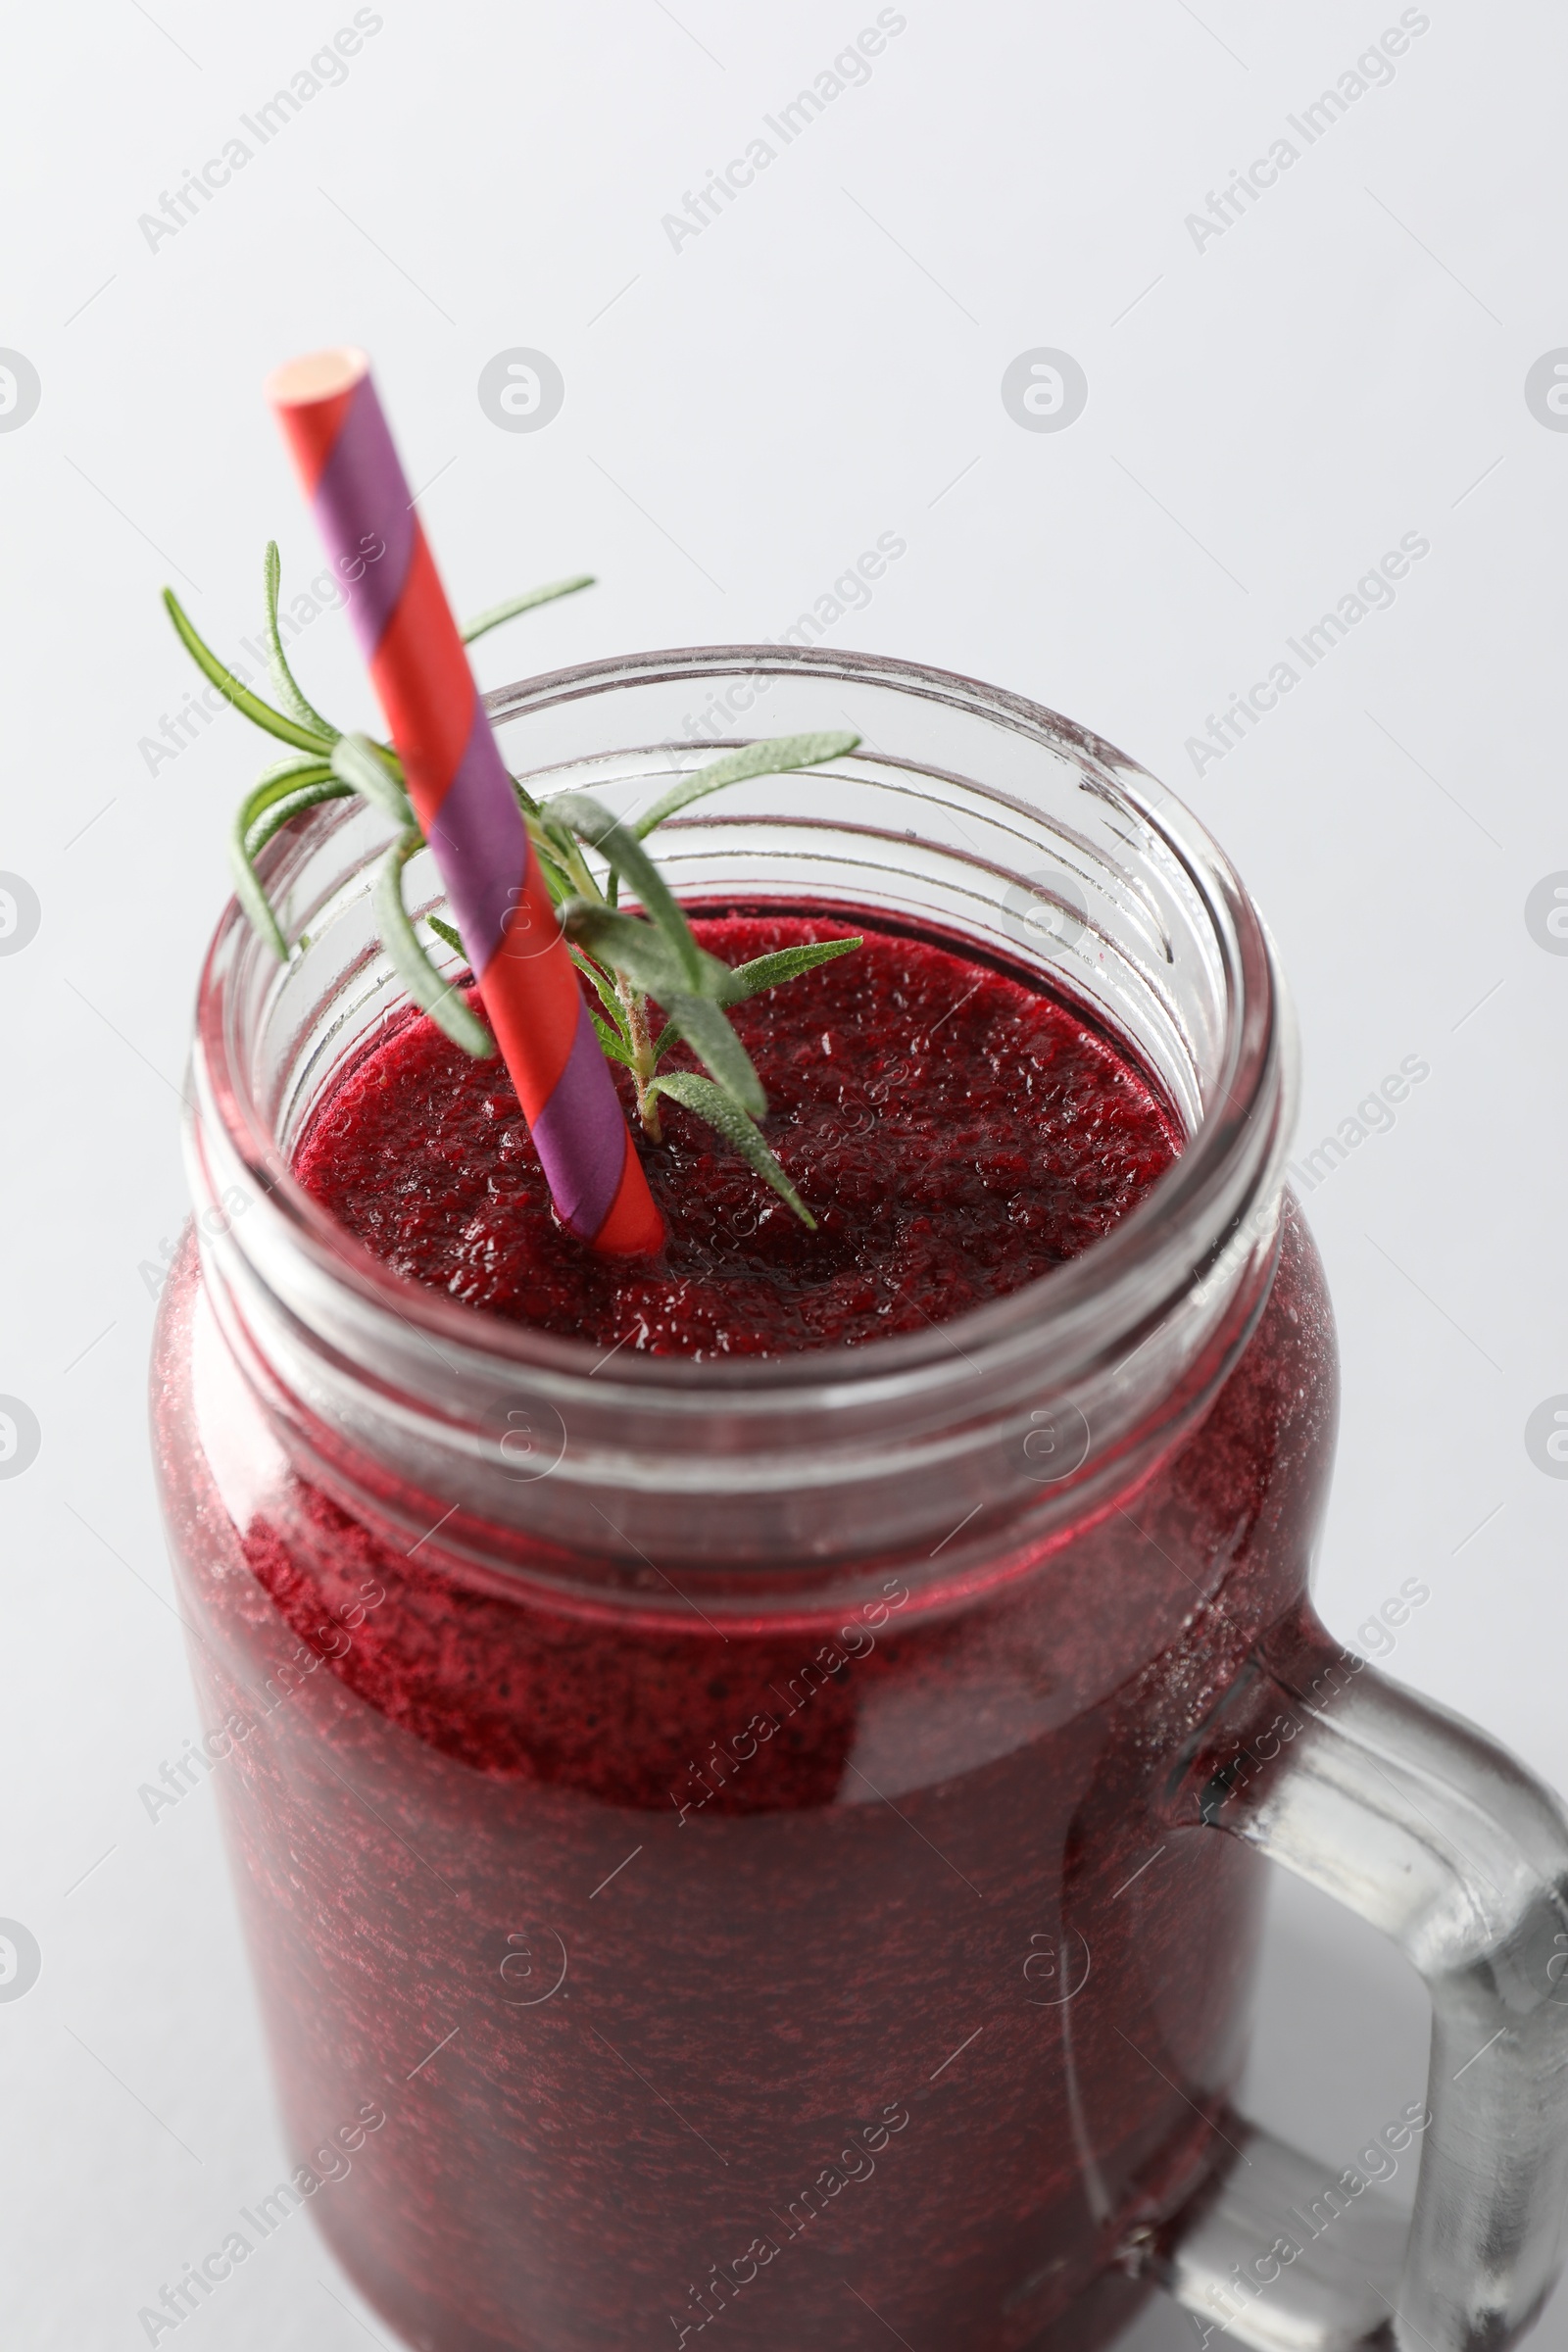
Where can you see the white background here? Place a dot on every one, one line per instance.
(1267, 414)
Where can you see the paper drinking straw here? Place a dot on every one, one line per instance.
(463, 799)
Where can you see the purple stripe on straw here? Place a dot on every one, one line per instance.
(481, 845)
(361, 504)
(581, 1135)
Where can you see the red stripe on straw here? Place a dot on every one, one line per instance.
(463, 799)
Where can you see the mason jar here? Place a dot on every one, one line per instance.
(733, 1843)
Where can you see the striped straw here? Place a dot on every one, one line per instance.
(463, 799)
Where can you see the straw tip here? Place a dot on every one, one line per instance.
(318, 375)
(632, 1226)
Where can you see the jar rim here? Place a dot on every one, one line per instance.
(1190, 1217)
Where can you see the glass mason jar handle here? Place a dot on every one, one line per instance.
(1423, 1827)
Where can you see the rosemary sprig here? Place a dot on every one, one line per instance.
(630, 959)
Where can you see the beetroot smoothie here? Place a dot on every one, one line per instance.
(727, 1971)
(954, 1132)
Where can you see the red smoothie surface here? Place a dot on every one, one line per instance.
(955, 1130)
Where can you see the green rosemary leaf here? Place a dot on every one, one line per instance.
(495, 615)
(325, 787)
(439, 997)
(602, 983)
(716, 1046)
(445, 933)
(627, 945)
(356, 763)
(247, 882)
(613, 1043)
(560, 843)
(774, 758)
(558, 882)
(725, 1114)
(276, 783)
(638, 953)
(260, 713)
(297, 764)
(284, 683)
(559, 885)
(770, 972)
(625, 853)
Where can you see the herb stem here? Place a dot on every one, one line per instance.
(644, 1055)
